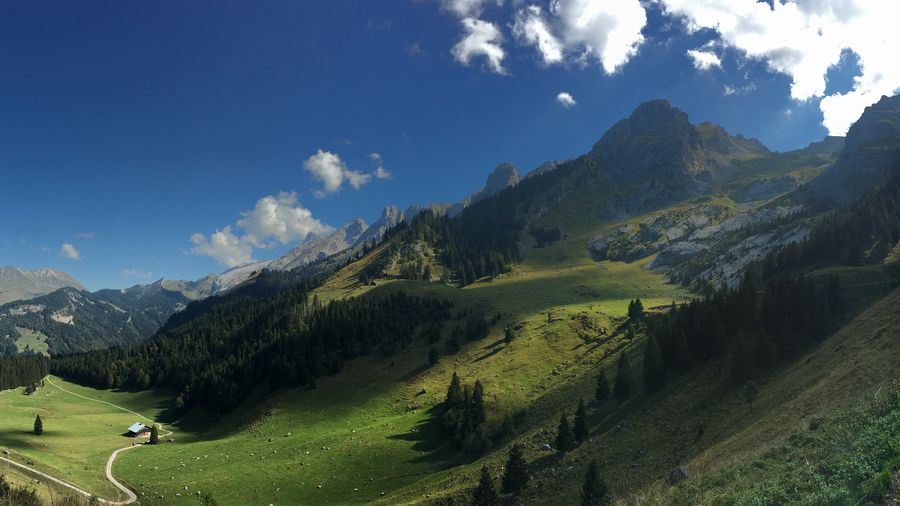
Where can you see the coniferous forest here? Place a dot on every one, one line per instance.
(217, 358)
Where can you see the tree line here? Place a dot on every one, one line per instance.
(22, 370)
(216, 357)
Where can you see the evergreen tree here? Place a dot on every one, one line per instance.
(154, 434)
(751, 391)
(478, 411)
(515, 476)
(454, 398)
(434, 356)
(485, 494)
(565, 439)
(602, 391)
(509, 334)
(38, 425)
(581, 428)
(624, 379)
(635, 310)
(654, 375)
(593, 490)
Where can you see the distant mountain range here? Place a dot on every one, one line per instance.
(357, 232)
(17, 284)
(72, 319)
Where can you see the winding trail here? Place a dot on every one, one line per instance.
(132, 497)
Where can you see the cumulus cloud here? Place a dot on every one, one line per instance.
(565, 99)
(803, 39)
(587, 30)
(704, 60)
(275, 220)
(137, 273)
(480, 38)
(332, 172)
(224, 246)
(279, 220)
(69, 251)
(531, 27)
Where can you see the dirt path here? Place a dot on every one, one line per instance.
(132, 497)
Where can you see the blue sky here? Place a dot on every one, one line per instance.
(127, 128)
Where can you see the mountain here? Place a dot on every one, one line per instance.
(758, 379)
(193, 290)
(315, 249)
(19, 284)
(871, 145)
(72, 320)
(502, 177)
(390, 218)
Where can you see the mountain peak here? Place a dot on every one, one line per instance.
(16, 283)
(502, 177)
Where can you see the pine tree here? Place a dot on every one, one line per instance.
(654, 375)
(38, 425)
(624, 380)
(509, 334)
(515, 476)
(454, 398)
(485, 494)
(593, 490)
(635, 310)
(581, 428)
(602, 391)
(565, 440)
(478, 411)
(434, 356)
(154, 434)
(751, 391)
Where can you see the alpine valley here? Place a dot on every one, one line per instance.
(679, 312)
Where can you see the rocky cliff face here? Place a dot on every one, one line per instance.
(312, 250)
(390, 218)
(871, 145)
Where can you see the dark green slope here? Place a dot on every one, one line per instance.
(77, 321)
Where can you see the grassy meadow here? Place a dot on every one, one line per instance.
(79, 434)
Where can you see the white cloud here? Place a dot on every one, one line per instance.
(137, 273)
(565, 99)
(224, 246)
(86, 235)
(274, 220)
(481, 38)
(804, 39)
(380, 171)
(69, 251)
(704, 60)
(328, 168)
(467, 8)
(531, 28)
(729, 90)
(280, 218)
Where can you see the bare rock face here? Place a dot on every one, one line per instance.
(657, 141)
(869, 150)
(503, 176)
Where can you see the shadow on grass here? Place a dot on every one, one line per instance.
(430, 438)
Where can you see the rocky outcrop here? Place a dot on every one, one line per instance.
(502, 177)
(871, 146)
